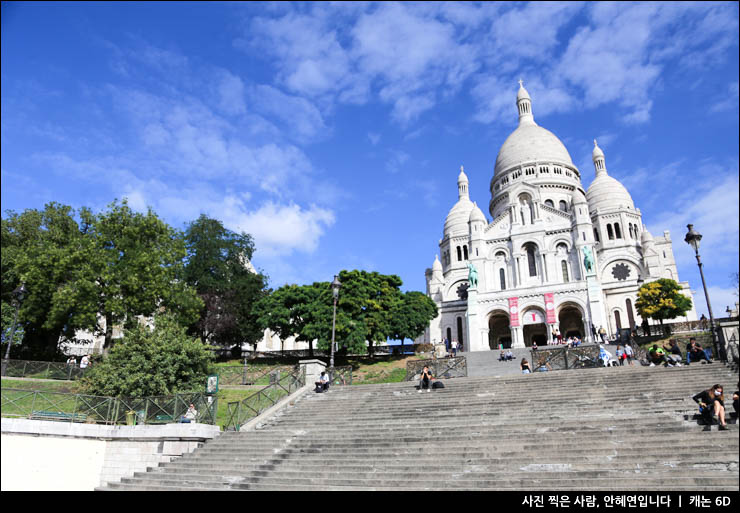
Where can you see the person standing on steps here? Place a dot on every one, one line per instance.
(426, 380)
(525, 367)
(454, 348)
(620, 355)
(712, 406)
(629, 353)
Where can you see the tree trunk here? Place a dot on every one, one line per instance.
(108, 332)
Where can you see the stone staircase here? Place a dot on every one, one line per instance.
(621, 429)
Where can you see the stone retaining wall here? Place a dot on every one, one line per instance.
(47, 455)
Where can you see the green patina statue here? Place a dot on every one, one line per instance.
(588, 259)
(472, 275)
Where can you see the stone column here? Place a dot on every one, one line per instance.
(313, 370)
(517, 337)
(474, 342)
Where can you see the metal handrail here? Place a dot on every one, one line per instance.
(240, 411)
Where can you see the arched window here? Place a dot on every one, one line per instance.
(563, 206)
(630, 315)
(632, 234)
(459, 330)
(596, 235)
(531, 261)
(610, 232)
(549, 203)
(449, 334)
(564, 266)
(502, 278)
(465, 252)
(618, 320)
(459, 254)
(617, 230)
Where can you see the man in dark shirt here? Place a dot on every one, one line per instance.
(695, 353)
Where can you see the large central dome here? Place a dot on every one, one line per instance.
(529, 142)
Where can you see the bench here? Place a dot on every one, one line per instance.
(58, 415)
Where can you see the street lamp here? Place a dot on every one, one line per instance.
(335, 286)
(693, 238)
(19, 294)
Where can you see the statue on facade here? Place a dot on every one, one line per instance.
(588, 259)
(472, 275)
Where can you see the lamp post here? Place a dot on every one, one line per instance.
(19, 294)
(693, 238)
(335, 286)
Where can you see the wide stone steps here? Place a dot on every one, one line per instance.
(595, 429)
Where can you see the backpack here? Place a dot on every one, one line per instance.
(438, 384)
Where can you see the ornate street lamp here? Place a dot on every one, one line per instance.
(693, 238)
(335, 286)
(19, 294)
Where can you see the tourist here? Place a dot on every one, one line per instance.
(620, 355)
(509, 355)
(85, 362)
(712, 406)
(629, 353)
(525, 367)
(454, 348)
(322, 385)
(736, 400)
(602, 334)
(502, 356)
(534, 346)
(606, 357)
(190, 415)
(695, 353)
(675, 352)
(71, 361)
(426, 380)
(448, 345)
(657, 356)
(543, 366)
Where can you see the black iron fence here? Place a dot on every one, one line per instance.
(38, 405)
(566, 358)
(440, 367)
(340, 375)
(239, 412)
(43, 370)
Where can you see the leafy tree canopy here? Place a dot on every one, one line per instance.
(159, 361)
(216, 268)
(662, 299)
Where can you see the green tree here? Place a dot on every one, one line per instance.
(662, 299)
(216, 268)
(159, 361)
(411, 316)
(133, 266)
(46, 250)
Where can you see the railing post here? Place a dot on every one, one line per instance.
(33, 404)
(23, 374)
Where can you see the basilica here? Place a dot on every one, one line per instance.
(554, 257)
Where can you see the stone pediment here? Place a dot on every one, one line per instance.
(553, 213)
(499, 225)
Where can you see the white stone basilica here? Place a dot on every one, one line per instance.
(554, 256)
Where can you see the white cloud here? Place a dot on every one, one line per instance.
(299, 116)
(231, 94)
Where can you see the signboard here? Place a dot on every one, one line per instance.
(212, 384)
(533, 317)
(550, 308)
(514, 312)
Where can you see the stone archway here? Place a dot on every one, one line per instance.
(499, 332)
(570, 319)
(534, 327)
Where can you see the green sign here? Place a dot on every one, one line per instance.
(212, 384)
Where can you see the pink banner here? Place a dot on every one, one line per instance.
(514, 312)
(550, 308)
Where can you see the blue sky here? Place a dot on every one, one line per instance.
(334, 133)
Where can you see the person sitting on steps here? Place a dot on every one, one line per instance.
(426, 380)
(712, 406)
(657, 356)
(675, 351)
(502, 356)
(322, 385)
(695, 353)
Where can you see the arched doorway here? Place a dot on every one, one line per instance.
(498, 330)
(571, 321)
(535, 329)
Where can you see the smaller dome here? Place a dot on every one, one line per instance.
(437, 265)
(477, 214)
(579, 198)
(646, 237)
(597, 153)
(462, 177)
(522, 94)
(457, 219)
(607, 193)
